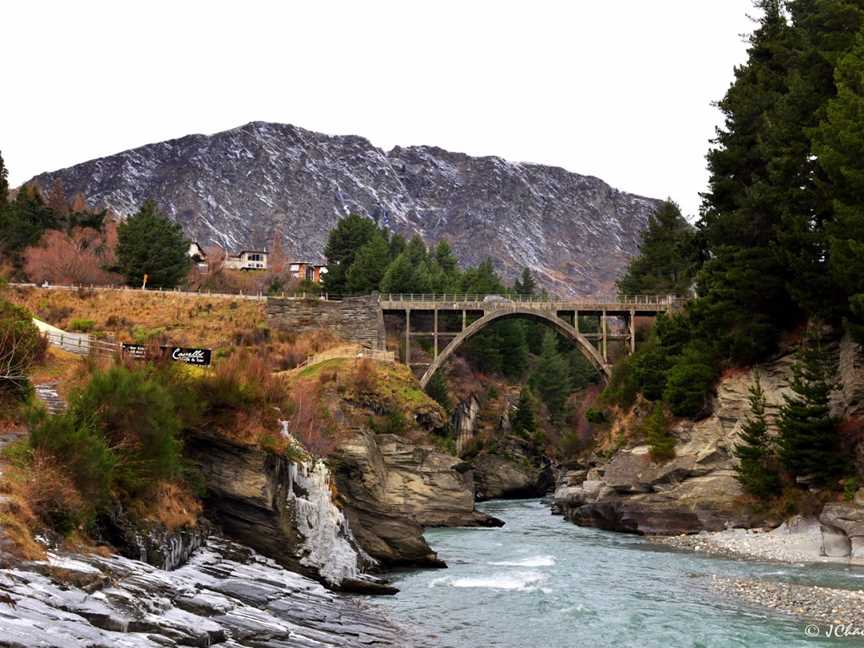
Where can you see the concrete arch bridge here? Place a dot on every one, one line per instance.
(594, 325)
(428, 329)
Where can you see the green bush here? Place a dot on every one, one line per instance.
(82, 325)
(134, 411)
(656, 430)
(623, 386)
(596, 416)
(689, 382)
(393, 422)
(75, 441)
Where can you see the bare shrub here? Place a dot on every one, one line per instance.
(311, 423)
(79, 257)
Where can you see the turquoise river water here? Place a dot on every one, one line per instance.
(542, 582)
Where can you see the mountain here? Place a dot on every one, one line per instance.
(236, 188)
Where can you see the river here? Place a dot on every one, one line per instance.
(542, 582)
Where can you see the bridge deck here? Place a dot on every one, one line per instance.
(638, 304)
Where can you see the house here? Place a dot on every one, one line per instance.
(307, 271)
(247, 260)
(196, 252)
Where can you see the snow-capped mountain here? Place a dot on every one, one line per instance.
(236, 188)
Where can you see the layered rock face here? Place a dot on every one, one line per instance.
(284, 510)
(513, 470)
(237, 187)
(390, 488)
(696, 490)
(226, 594)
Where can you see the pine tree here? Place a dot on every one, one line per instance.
(350, 234)
(656, 430)
(668, 256)
(23, 222)
(445, 258)
(4, 183)
(524, 420)
(809, 440)
(437, 389)
(151, 244)
(514, 348)
(399, 276)
(839, 146)
(551, 379)
(756, 469)
(525, 284)
(482, 280)
(369, 265)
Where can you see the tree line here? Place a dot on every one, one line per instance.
(779, 241)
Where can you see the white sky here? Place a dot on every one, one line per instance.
(620, 89)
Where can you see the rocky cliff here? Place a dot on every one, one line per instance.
(236, 188)
(696, 490)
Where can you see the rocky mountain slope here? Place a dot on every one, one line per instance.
(236, 188)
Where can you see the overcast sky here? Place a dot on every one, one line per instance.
(620, 89)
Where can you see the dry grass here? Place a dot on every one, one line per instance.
(138, 316)
(172, 505)
(18, 521)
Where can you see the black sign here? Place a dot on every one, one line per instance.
(199, 357)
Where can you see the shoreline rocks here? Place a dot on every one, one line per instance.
(835, 610)
(226, 594)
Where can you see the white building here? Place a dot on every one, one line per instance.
(247, 260)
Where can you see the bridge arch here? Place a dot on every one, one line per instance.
(550, 317)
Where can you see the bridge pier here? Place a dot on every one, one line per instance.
(604, 338)
(408, 336)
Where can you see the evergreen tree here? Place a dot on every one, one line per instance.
(525, 284)
(445, 258)
(524, 420)
(482, 280)
(149, 243)
(4, 183)
(551, 379)
(397, 245)
(514, 348)
(399, 276)
(23, 222)
(756, 470)
(369, 265)
(350, 234)
(667, 258)
(839, 145)
(809, 440)
(437, 389)
(656, 430)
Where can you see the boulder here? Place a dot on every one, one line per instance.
(512, 467)
(848, 518)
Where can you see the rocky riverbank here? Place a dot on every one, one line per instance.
(799, 540)
(225, 595)
(836, 611)
(620, 487)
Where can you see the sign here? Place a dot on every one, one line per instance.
(191, 356)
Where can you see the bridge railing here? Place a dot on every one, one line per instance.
(635, 300)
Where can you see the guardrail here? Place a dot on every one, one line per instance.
(635, 300)
(82, 343)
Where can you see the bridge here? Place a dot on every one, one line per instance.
(428, 329)
(474, 312)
